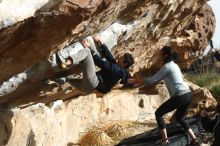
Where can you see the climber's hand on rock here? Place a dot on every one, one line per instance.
(69, 61)
(97, 39)
(85, 43)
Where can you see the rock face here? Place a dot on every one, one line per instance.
(62, 123)
(64, 21)
(191, 41)
(35, 30)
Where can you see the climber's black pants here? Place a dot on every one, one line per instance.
(180, 103)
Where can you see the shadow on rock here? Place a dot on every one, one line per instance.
(5, 125)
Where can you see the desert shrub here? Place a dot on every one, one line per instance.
(215, 90)
(203, 80)
(209, 80)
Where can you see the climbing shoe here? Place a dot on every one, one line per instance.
(49, 82)
(61, 81)
(63, 66)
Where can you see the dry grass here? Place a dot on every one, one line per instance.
(96, 137)
(111, 132)
(118, 131)
(108, 135)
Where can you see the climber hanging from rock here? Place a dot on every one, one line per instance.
(179, 91)
(84, 58)
(57, 64)
(111, 70)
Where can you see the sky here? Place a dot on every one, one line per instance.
(215, 4)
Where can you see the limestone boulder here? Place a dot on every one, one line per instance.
(62, 123)
(32, 31)
(56, 23)
(65, 122)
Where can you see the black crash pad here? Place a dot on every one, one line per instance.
(176, 134)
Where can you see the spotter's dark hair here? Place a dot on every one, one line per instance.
(170, 54)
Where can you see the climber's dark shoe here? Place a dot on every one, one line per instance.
(60, 81)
